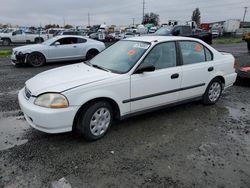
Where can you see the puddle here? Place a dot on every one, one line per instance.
(12, 130)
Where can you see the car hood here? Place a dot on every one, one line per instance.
(65, 78)
(32, 47)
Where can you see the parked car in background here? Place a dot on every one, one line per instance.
(57, 49)
(80, 33)
(19, 36)
(6, 31)
(53, 32)
(185, 31)
(131, 77)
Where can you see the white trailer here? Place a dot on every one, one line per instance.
(230, 26)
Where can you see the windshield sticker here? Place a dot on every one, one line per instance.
(141, 45)
(131, 52)
(198, 48)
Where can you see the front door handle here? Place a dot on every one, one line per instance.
(210, 69)
(74, 46)
(174, 76)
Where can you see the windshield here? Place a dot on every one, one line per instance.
(164, 31)
(121, 56)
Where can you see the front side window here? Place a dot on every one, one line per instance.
(192, 52)
(121, 56)
(67, 41)
(162, 56)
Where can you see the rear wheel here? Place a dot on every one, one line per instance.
(91, 53)
(38, 40)
(6, 42)
(95, 120)
(248, 45)
(213, 92)
(36, 59)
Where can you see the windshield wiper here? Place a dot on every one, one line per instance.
(96, 66)
(99, 67)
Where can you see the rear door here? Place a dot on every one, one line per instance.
(160, 87)
(197, 69)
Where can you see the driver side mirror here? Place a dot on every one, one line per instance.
(14, 33)
(176, 32)
(56, 43)
(145, 68)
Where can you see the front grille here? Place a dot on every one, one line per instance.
(27, 93)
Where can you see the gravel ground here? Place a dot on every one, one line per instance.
(191, 145)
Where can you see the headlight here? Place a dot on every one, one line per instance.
(52, 100)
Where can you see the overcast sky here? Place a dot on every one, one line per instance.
(34, 12)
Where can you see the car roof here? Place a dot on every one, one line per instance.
(65, 36)
(160, 38)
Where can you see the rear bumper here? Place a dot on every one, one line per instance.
(230, 79)
(243, 74)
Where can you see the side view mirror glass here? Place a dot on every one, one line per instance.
(56, 43)
(145, 68)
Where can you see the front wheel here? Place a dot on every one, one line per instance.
(248, 46)
(36, 59)
(213, 92)
(95, 120)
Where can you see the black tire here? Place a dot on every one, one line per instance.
(91, 53)
(38, 40)
(6, 42)
(248, 45)
(36, 59)
(212, 96)
(87, 114)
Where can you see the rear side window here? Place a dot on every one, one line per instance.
(81, 40)
(192, 52)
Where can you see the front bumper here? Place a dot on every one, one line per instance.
(46, 119)
(18, 58)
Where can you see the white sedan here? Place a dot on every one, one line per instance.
(57, 49)
(131, 77)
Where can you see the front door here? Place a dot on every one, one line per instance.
(64, 49)
(160, 87)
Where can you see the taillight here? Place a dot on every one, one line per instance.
(234, 64)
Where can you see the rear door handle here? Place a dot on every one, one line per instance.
(210, 69)
(174, 76)
(74, 46)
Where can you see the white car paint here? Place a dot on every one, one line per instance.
(81, 83)
(53, 53)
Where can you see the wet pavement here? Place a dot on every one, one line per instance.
(191, 145)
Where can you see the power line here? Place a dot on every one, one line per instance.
(245, 13)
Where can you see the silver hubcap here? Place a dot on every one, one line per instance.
(100, 121)
(214, 91)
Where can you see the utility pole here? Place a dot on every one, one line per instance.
(63, 21)
(88, 19)
(245, 13)
(143, 10)
(133, 21)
